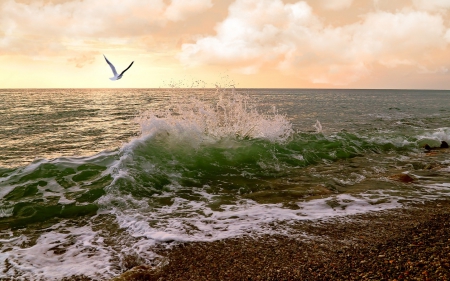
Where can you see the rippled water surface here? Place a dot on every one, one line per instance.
(93, 176)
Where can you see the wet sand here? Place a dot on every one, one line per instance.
(403, 244)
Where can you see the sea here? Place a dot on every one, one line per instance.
(93, 178)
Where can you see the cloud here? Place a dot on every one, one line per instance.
(284, 36)
(336, 4)
(181, 9)
(432, 4)
(80, 60)
(56, 27)
(254, 31)
(84, 18)
(259, 34)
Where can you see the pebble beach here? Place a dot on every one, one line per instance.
(411, 243)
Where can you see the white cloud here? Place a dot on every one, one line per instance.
(425, 70)
(447, 35)
(399, 38)
(336, 4)
(84, 18)
(260, 33)
(432, 4)
(58, 27)
(254, 30)
(181, 9)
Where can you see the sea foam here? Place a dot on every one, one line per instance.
(231, 116)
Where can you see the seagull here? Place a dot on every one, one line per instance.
(116, 77)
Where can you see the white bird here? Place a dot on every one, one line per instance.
(116, 77)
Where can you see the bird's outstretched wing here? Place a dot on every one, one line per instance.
(126, 69)
(112, 66)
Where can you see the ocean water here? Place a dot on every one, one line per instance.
(92, 177)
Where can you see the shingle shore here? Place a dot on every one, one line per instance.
(403, 244)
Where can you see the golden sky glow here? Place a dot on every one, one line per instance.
(252, 43)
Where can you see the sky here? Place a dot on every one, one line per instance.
(401, 44)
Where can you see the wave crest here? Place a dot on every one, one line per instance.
(231, 115)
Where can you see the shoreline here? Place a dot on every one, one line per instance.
(409, 243)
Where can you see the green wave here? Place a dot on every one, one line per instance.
(46, 191)
(158, 164)
(147, 168)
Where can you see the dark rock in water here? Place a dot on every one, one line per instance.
(444, 144)
(402, 178)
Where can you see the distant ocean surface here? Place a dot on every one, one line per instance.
(92, 177)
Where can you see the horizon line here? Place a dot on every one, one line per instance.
(209, 88)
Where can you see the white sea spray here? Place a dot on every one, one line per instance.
(231, 116)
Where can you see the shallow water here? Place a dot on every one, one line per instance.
(90, 177)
